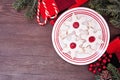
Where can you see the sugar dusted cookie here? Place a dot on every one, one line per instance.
(80, 36)
(85, 38)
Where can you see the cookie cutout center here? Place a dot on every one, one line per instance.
(72, 45)
(91, 39)
(76, 24)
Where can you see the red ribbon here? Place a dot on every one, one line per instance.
(49, 9)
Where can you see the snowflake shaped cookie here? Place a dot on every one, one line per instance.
(78, 37)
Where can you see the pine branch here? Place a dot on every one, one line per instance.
(111, 8)
(20, 4)
(97, 77)
(29, 5)
(31, 9)
(115, 73)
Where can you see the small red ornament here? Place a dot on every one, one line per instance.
(104, 61)
(94, 71)
(97, 64)
(90, 69)
(110, 55)
(91, 65)
(104, 55)
(99, 69)
(104, 67)
(94, 65)
(108, 60)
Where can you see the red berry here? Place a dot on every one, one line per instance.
(90, 69)
(76, 24)
(72, 45)
(91, 65)
(94, 65)
(97, 64)
(108, 60)
(94, 71)
(99, 69)
(104, 61)
(104, 67)
(102, 64)
(104, 55)
(110, 56)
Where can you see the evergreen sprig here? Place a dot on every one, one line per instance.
(20, 4)
(31, 9)
(114, 72)
(29, 5)
(111, 8)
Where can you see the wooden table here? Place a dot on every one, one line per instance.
(27, 53)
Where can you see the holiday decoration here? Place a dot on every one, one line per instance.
(114, 71)
(108, 66)
(114, 47)
(110, 8)
(100, 64)
(111, 73)
(104, 75)
(46, 9)
(49, 9)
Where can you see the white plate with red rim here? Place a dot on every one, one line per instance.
(80, 36)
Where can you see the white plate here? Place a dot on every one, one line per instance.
(89, 37)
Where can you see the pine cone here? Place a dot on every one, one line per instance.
(105, 75)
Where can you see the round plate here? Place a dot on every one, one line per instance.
(80, 36)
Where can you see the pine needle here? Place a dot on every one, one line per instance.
(29, 5)
(31, 9)
(20, 4)
(115, 73)
(110, 8)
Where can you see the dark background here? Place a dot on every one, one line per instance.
(27, 53)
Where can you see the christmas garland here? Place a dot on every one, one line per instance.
(110, 8)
